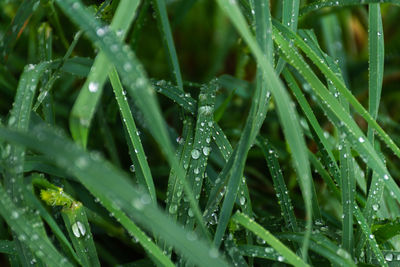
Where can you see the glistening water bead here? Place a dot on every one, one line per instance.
(78, 229)
(195, 154)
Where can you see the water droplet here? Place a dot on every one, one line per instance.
(93, 87)
(281, 258)
(242, 200)
(14, 215)
(196, 171)
(389, 257)
(179, 140)
(206, 110)
(81, 162)
(386, 177)
(206, 150)
(375, 207)
(127, 66)
(100, 32)
(78, 229)
(371, 236)
(132, 168)
(195, 154)
(361, 139)
(173, 208)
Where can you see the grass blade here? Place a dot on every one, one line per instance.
(116, 194)
(269, 238)
(286, 112)
(89, 96)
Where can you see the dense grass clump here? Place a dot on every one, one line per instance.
(199, 133)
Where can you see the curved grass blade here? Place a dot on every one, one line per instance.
(340, 3)
(323, 246)
(269, 238)
(89, 96)
(7, 247)
(143, 169)
(33, 237)
(261, 252)
(116, 194)
(287, 114)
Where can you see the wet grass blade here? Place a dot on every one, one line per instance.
(79, 232)
(134, 77)
(163, 22)
(336, 113)
(33, 237)
(18, 24)
(279, 183)
(143, 168)
(287, 114)
(269, 238)
(117, 194)
(340, 3)
(89, 96)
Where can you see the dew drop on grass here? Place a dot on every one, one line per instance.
(242, 200)
(132, 168)
(190, 212)
(361, 139)
(14, 215)
(371, 236)
(78, 229)
(173, 208)
(389, 257)
(100, 32)
(375, 207)
(196, 171)
(195, 154)
(281, 258)
(386, 177)
(179, 140)
(93, 87)
(206, 150)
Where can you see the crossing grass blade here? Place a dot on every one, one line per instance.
(89, 96)
(269, 238)
(287, 114)
(116, 194)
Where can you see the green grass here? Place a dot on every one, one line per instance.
(199, 133)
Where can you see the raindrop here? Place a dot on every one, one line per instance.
(281, 258)
(78, 229)
(195, 154)
(242, 200)
(361, 139)
(93, 87)
(196, 171)
(173, 208)
(132, 168)
(386, 177)
(14, 215)
(375, 207)
(179, 139)
(206, 150)
(389, 257)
